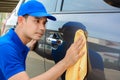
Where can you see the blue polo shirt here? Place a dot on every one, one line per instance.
(13, 54)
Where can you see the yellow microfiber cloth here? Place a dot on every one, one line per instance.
(79, 70)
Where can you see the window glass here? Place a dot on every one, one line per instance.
(88, 5)
(49, 4)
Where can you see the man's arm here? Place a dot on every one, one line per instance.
(52, 74)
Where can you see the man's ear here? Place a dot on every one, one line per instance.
(20, 19)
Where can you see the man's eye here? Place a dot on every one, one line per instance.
(36, 21)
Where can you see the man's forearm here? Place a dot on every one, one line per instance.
(54, 73)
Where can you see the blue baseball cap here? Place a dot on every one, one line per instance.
(34, 8)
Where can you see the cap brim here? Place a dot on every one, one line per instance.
(39, 14)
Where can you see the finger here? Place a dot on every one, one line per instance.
(34, 41)
(78, 42)
(81, 53)
(82, 45)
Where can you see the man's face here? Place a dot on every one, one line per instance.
(34, 27)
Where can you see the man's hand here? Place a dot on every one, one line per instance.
(31, 44)
(72, 55)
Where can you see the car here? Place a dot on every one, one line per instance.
(54, 39)
(100, 19)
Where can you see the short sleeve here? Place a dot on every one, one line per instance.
(11, 61)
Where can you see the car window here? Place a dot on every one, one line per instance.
(90, 5)
(49, 4)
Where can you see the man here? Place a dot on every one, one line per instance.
(32, 17)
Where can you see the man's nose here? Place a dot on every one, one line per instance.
(42, 26)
